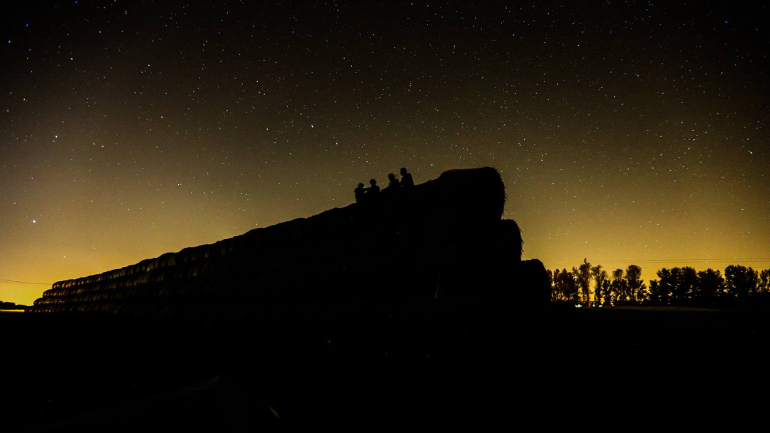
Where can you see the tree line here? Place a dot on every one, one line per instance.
(675, 286)
(11, 306)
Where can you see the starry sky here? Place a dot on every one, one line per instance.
(625, 132)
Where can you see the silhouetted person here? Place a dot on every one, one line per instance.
(393, 184)
(406, 179)
(373, 191)
(359, 191)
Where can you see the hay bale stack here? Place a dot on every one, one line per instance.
(444, 237)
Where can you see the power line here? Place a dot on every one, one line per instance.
(22, 282)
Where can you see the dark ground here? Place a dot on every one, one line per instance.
(367, 365)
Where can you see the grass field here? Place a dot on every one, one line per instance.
(604, 367)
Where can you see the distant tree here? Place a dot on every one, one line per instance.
(607, 291)
(641, 293)
(687, 283)
(556, 293)
(741, 282)
(618, 286)
(764, 281)
(584, 279)
(634, 287)
(666, 285)
(576, 277)
(564, 286)
(569, 285)
(677, 295)
(653, 295)
(600, 277)
(11, 306)
(711, 286)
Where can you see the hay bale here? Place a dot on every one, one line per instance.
(392, 249)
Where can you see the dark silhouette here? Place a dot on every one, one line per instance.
(653, 296)
(687, 286)
(393, 184)
(406, 179)
(373, 191)
(312, 295)
(675, 287)
(636, 289)
(360, 193)
(600, 278)
(565, 286)
(741, 282)
(454, 220)
(424, 299)
(764, 281)
(710, 286)
(584, 280)
(11, 306)
(618, 286)
(666, 284)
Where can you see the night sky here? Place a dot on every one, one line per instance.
(625, 132)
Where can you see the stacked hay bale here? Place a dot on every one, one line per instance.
(443, 238)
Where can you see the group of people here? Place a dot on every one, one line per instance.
(371, 193)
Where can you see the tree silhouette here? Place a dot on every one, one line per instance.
(675, 286)
(606, 290)
(600, 278)
(555, 289)
(711, 286)
(687, 286)
(764, 281)
(570, 284)
(634, 286)
(653, 295)
(741, 282)
(565, 287)
(562, 287)
(565, 283)
(618, 286)
(584, 279)
(666, 284)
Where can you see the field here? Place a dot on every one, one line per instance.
(372, 364)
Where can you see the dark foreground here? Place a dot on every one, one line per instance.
(368, 365)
